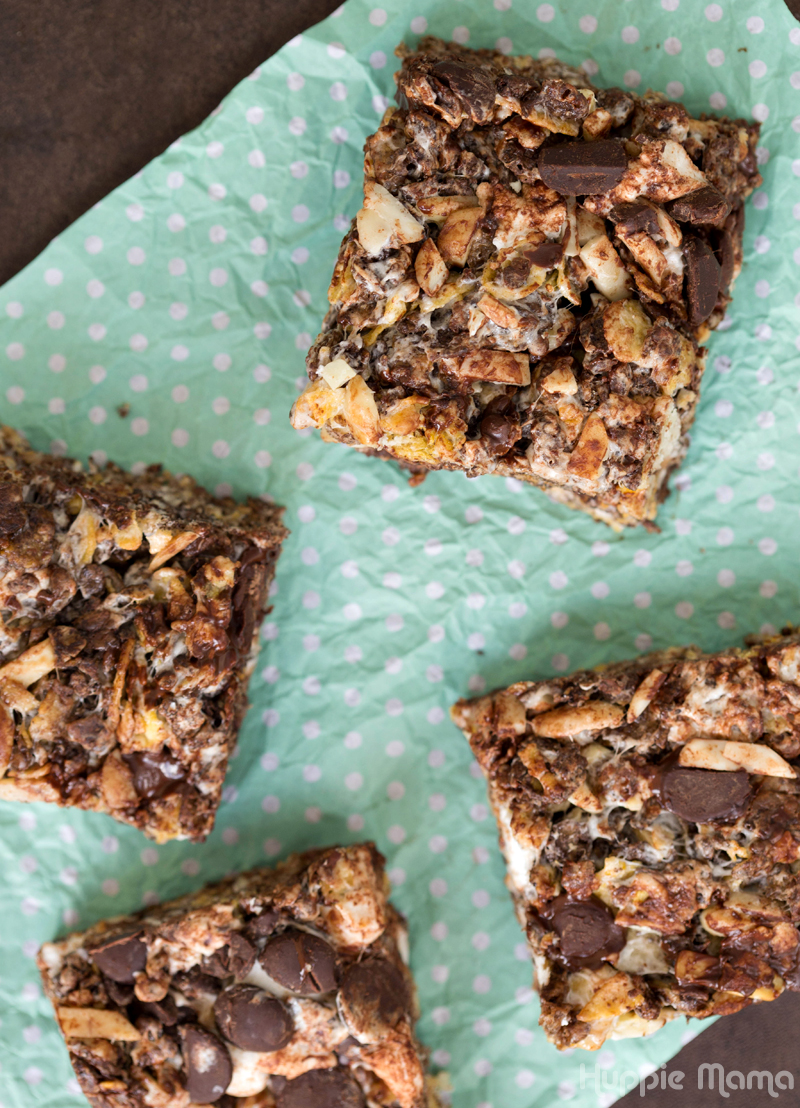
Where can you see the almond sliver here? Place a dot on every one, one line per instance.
(757, 758)
(723, 754)
(707, 754)
(96, 1023)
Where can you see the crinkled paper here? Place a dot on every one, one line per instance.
(170, 323)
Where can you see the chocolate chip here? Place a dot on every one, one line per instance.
(516, 272)
(472, 86)
(301, 962)
(252, 1019)
(583, 168)
(373, 997)
(703, 278)
(208, 1064)
(336, 1088)
(699, 795)
(155, 773)
(635, 216)
(500, 426)
(120, 957)
(706, 206)
(586, 927)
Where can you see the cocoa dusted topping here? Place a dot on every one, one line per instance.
(664, 855)
(583, 168)
(253, 1020)
(301, 962)
(208, 1064)
(192, 1038)
(132, 605)
(700, 795)
(335, 1088)
(121, 957)
(703, 207)
(703, 279)
(508, 201)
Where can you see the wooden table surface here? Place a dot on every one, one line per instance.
(90, 91)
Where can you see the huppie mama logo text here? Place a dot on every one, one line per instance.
(710, 1075)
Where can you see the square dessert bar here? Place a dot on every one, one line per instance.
(649, 814)
(284, 988)
(130, 608)
(527, 286)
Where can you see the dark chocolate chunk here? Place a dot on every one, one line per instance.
(699, 795)
(703, 279)
(241, 955)
(706, 206)
(155, 773)
(336, 1088)
(373, 996)
(236, 959)
(583, 168)
(586, 927)
(67, 642)
(253, 1020)
(118, 994)
(346, 1048)
(207, 1063)
(195, 984)
(635, 216)
(473, 86)
(546, 255)
(90, 732)
(165, 1010)
(727, 259)
(259, 927)
(120, 957)
(500, 426)
(301, 962)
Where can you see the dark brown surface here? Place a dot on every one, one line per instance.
(762, 1038)
(137, 76)
(92, 90)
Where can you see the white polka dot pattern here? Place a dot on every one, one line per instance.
(170, 323)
